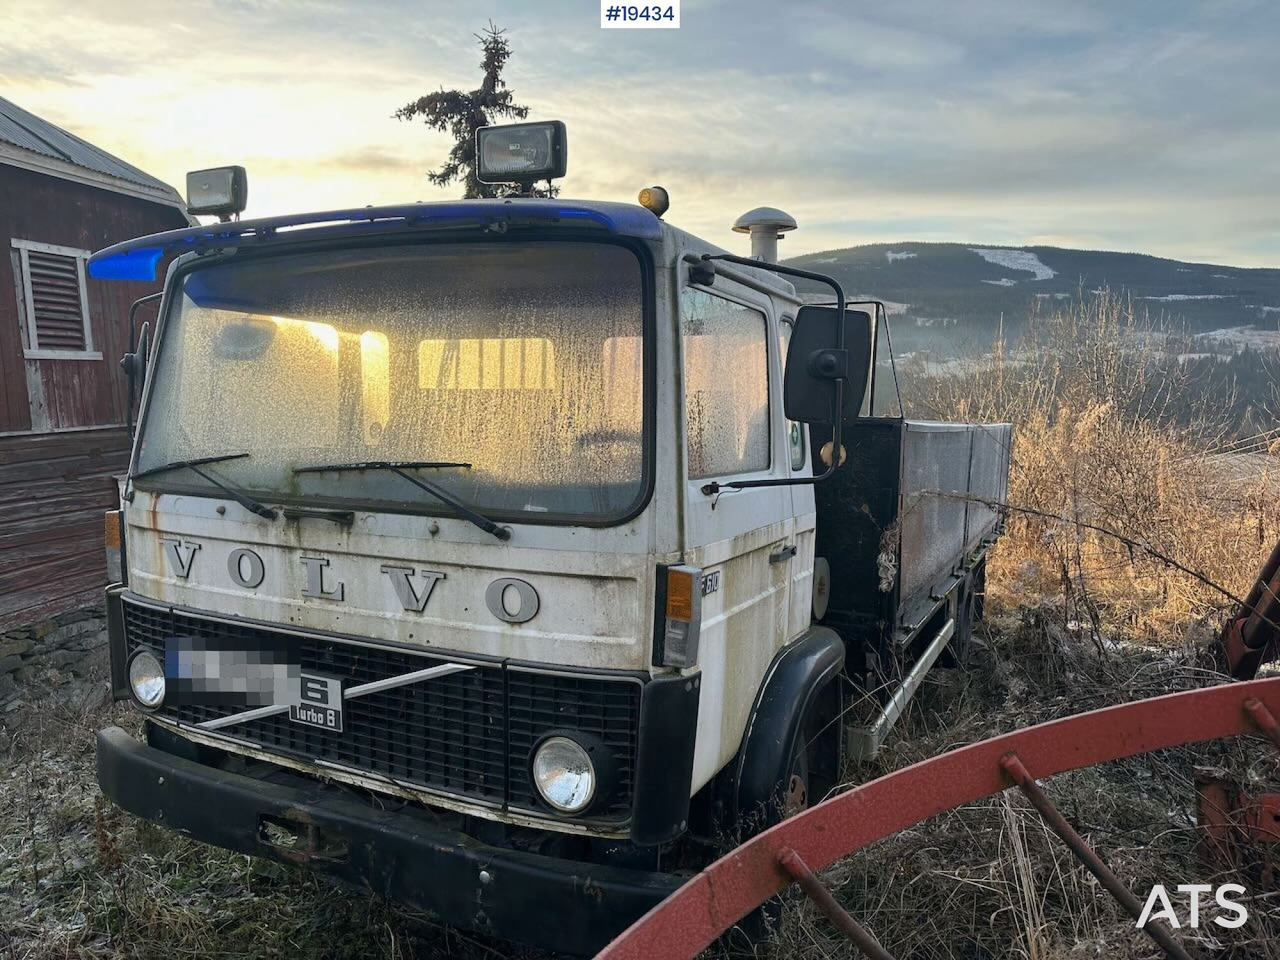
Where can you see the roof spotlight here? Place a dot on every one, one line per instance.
(220, 191)
(521, 152)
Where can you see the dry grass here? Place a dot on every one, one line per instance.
(989, 880)
(1120, 507)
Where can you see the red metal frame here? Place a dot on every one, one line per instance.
(709, 904)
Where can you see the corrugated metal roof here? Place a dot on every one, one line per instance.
(26, 130)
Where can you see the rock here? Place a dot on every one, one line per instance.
(60, 658)
(13, 645)
(93, 662)
(78, 615)
(89, 642)
(24, 674)
(10, 663)
(63, 635)
(8, 688)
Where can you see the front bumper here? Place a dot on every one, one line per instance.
(407, 854)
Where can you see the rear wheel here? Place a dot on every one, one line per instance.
(969, 610)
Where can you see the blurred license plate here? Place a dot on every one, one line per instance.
(319, 702)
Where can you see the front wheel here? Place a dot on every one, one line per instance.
(814, 768)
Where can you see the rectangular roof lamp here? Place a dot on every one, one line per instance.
(521, 152)
(221, 192)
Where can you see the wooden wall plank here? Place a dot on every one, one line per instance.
(54, 489)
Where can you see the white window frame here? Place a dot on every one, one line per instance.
(31, 349)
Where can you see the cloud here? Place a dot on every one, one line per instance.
(1132, 126)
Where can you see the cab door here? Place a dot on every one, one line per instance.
(803, 509)
(744, 540)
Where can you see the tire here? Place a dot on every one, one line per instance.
(969, 610)
(814, 768)
(979, 590)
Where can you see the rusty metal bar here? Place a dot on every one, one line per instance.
(711, 902)
(1250, 638)
(1013, 766)
(794, 864)
(1263, 719)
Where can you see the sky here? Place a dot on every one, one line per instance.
(1126, 125)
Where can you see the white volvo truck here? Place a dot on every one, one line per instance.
(485, 554)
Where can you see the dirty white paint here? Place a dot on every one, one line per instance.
(594, 585)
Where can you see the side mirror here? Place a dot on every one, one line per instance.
(134, 366)
(814, 364)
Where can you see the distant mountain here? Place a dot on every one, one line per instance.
(960, 292)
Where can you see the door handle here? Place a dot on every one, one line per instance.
(786, 553)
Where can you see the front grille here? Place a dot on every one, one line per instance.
(467, 734)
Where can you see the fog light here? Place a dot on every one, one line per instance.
(146, 679)
(564, 774)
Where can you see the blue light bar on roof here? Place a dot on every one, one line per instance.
(138, 259)
(136, 264)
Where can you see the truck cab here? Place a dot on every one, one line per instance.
(468, 553)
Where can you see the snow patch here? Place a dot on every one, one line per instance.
(1002, 282)
(892, 255)
(827, 260)
(1238, 338)
(1015, 260)
(1191, 296)
(1270, 309)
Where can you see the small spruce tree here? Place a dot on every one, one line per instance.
(462, 112)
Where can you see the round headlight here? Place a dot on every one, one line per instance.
(564, 774)
(146, 679)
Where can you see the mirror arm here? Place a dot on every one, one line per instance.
(133, 353)
(712, 488)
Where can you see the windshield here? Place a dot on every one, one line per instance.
(516, 365)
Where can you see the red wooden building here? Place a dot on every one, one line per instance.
(62, 393)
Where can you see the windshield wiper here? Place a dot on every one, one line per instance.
(250, 504)
(398, 467)
(383, 465)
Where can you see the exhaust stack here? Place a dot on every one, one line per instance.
(766, 225)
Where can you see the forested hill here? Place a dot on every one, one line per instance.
(963, 290)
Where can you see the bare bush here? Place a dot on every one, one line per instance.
(1119, 504)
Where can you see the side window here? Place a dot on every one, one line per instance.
(795, 431)
(884, 392)
(726, 385)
